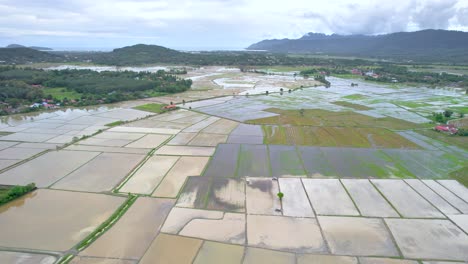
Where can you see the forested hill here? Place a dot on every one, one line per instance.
(141, 54)
(425, 45)
(26, 55)
(31, 47)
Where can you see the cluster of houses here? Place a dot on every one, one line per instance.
(370, 73)
(47, 104)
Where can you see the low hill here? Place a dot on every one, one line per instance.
(31, 47)
(141, 54)
(425, 45)
(26, 55)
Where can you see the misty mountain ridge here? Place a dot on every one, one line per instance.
(417, 45)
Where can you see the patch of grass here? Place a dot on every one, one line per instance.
(153, 93)
(319, 117)
(61, 93)
(461, 175)
(459, 109)
(356, 97)
(351, 105)
(348, 76)
(153, 108)
(335, 137)
(116, 123)
(10, 193)
(411, 104)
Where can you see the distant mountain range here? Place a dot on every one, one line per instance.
(11, 46)
(419, 45)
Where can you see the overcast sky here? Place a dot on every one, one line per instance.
(208, 24)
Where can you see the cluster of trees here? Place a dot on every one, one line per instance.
(15, 192)
(389, 72)
(26, 85)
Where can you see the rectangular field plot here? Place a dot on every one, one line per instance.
(405, 200)
(106, 142)
(133, 233)
(431, 196)
(227, 195)
(201, 125)
(100, 174)
(25, 258)
(285, 161)
(46, 169)
(348, 163)
(424, 163)
(61, 219)
(19, 153)
(222, 126)
(246, 134)
(368, 199)
(221, 194)
(185, 151)
(209, 140)
(295, 201)
(182, 138)
(224, 161)
(261, 196)
(243, 139)
(195, 192)
(455, 187)
(315, 162)
(253, 161)
(149, 175)
(328, 197)
(149, 141)
(175, 178)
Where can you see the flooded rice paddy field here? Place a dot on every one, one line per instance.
(411, 104)
(207, 183)
(243, 160)
(323, 219)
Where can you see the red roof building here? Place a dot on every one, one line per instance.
(446, 128)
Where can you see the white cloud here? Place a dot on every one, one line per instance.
(213, 23)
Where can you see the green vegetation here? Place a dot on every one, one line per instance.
(153, 108)
(23, 86)
(356, 97)
(280, 195)
(8, 194)
(318, 117)
(351, 105)
(411, 104)
(66, 259)
(107, 224)
(335, 137)
(61, 93)
(116, 123)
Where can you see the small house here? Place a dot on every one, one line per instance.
(447, 129)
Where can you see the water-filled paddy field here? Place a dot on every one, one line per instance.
(364, 179)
